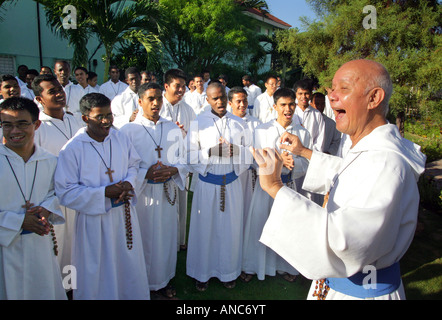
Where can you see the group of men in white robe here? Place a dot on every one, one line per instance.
(126, 186)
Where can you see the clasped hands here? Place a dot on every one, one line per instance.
(224, 149)
(160, 172)
(270, 162)
(122, 191)
(36, 220)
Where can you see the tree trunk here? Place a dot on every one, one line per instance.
(400, 121)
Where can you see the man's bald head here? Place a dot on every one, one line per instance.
(374, 74)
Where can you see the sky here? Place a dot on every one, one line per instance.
(290, 10)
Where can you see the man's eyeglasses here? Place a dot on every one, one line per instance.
(19, 125)
(101, 117)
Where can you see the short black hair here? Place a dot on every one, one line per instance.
(318, 95)
(271, 76)
(80, 68)
(93, 100)
(234, 91)
(114, 67)
(283, 93)
(32, 71)
(21, 103)
(91, 75)
(63, 62)
(172, 74)
(38, 80)
(304, 84)
(147, 86)
(131, 70)
(8, 77)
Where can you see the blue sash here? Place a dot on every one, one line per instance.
(153, 182)
(115, 205)
(219, 179)
(388, 280)
(286, 178)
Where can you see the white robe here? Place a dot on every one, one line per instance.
(215, 237)
(253, 91)
(312, 120)
(370, 217)
(52, 135)
(123, 106)
(249, 177)
(111, 90)
(27, 93)
(263, 108)
(106, 268)
(158, 218)
(88, 89)
(73, 97)
(257, 258)
(28, 266)
(198, 101)
(183, 113)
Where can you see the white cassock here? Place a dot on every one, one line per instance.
(249, 177)
(73, 97)
(27, 93)
(111, 89)
(106, 268)
(123, 106)
(52, 135)
(312, 120)
(215, 236)
(198, 101)
(369, 220)
(88, 89)
(157, 216)
(253, 91)
(328, 111)
(183, 113)
(332, 137)
(257, 258)
(28, 266)
(263, 108)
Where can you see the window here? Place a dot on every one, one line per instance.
(7, 65)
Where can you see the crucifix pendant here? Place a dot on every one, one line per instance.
(158, 149)
(27, 205)
(109, 173)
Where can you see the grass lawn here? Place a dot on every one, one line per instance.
(421, 270)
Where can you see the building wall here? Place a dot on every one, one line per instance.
(19, 41)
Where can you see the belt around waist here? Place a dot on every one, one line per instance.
(153, 182)
(219, 179)
(387, 280)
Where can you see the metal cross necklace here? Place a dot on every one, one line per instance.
(109, 171)
(158, 148)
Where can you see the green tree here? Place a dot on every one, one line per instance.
(202, 33)
(406, 39)
(111, 20)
